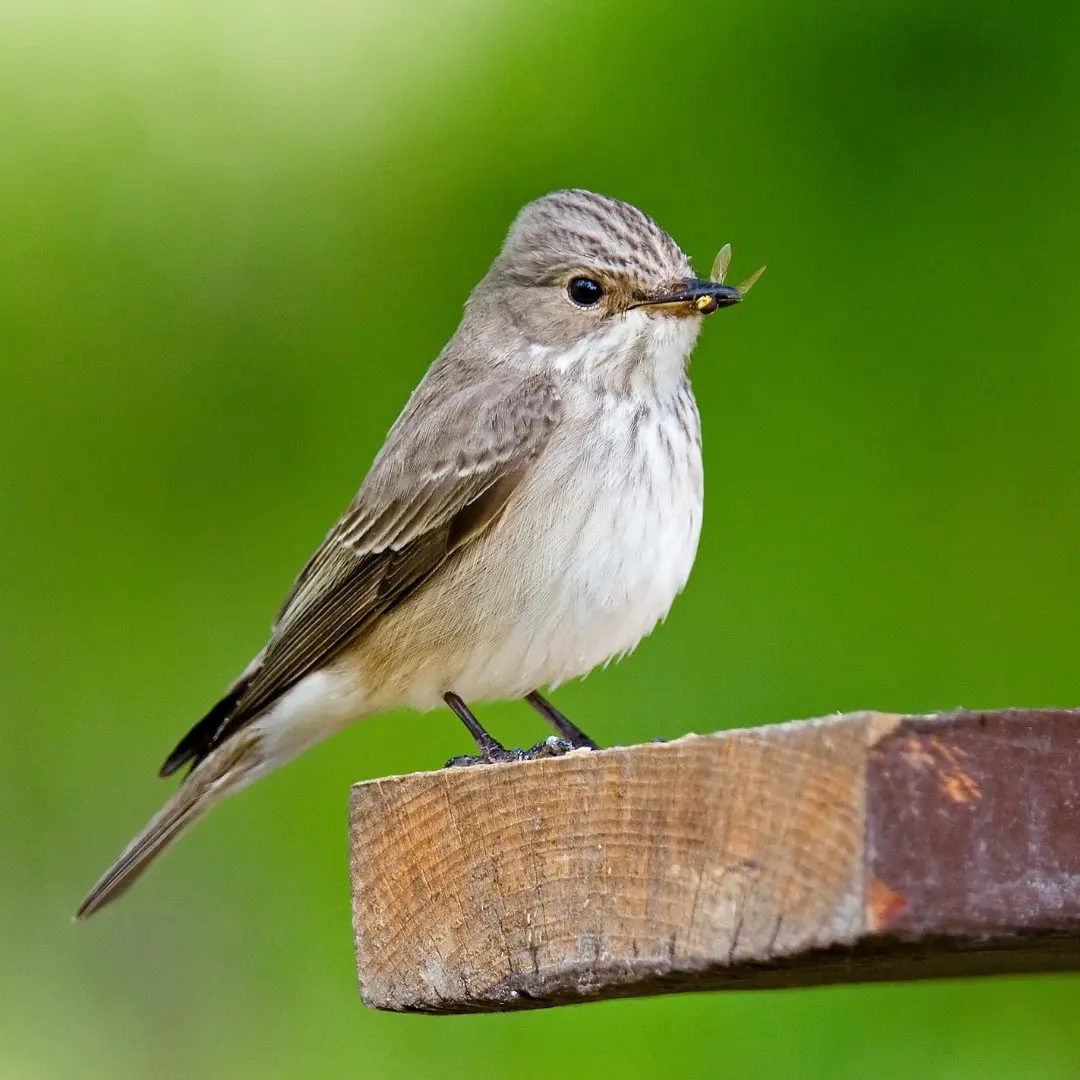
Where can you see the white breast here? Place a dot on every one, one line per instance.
(590, 551)
(591, 555)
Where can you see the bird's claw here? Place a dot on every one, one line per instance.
(552, 746)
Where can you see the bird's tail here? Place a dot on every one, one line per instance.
(229, 768)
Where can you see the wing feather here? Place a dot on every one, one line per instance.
(405, 522)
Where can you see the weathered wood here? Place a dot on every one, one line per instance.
(859, 847)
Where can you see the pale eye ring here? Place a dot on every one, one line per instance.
(586, 292)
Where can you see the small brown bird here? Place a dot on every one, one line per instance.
(533, 513)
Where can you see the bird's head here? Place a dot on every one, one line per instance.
(592, 282)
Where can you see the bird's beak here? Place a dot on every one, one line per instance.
(694, 295)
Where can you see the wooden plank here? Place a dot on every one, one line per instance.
(858, 847)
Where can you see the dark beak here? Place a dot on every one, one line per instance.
(695, 295)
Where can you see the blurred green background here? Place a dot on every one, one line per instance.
(232, 236)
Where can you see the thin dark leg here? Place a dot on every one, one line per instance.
(493, 751)
(566, 728)
(486, 744)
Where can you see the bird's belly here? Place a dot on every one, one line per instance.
(617, 586)
(587, 558)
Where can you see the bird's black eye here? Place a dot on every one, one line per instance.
(585, 292)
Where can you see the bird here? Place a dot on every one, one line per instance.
(532, 514)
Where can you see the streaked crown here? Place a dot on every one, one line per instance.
(567, 230)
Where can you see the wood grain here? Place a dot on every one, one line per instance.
(864, 846)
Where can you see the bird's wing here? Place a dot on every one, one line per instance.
(445, 473)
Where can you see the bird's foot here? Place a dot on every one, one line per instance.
(552, 746)
(497, 755)
(492, 752)
(492, 755)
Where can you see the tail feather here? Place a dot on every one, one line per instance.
(214, 728)
(226, 770)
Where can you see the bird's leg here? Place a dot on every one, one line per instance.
(567, 729)
(491, 750)
(489, 747)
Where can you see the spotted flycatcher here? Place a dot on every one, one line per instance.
(533, 512)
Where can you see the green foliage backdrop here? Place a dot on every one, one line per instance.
(233, 235)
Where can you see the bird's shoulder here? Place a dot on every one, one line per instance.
(450, 463)
(454, 440)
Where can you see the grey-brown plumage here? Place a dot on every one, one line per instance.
(397, 531)
(533, 513)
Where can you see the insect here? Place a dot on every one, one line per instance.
(720, 269)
